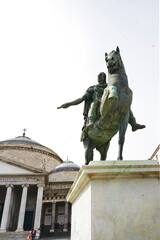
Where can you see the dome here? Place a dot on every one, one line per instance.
(28, 152)
(22, 139)
(66, 166)
(65, 172)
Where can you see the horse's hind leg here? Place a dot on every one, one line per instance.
(103, 149)
(88, 146)
(122, 131)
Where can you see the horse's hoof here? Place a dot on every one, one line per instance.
(119, 159)
(137, 126)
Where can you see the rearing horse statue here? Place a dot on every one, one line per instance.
(114, 110)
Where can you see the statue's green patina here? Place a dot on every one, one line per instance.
(106, 109)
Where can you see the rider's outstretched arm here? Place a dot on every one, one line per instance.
(75, 102)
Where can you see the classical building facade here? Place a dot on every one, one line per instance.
(34, 182)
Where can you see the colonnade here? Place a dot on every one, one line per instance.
(7, 207)
(66, 215)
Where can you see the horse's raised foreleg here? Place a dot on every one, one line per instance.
(122, 131)
(113, 92)
(88, 146)
(103, 149)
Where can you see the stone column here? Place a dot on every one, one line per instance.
(37, 219)
(22, 208)
(6, 208)
(53, 216)
(66, 216)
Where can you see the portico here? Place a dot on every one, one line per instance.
(56, 215)
(34, 182)
(22, 203)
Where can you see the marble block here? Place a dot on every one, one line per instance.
(116, 200)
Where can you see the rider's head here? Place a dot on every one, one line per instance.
(101, 77)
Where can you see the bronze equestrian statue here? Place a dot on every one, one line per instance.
(107, 109)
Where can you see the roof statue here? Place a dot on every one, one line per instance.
(107, 109)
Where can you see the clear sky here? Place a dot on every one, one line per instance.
(51, 51)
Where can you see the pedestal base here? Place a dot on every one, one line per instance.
(116, 200)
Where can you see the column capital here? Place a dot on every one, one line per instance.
(41, 185)
(9, 185)
(25, 185)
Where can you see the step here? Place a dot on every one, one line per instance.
(13, 235)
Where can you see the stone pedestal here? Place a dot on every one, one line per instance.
(116, 200)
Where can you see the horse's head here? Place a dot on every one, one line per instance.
(114, 61)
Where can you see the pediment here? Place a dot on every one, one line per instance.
(10, 167)
(6, 168)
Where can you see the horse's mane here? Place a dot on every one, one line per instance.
(120, 62)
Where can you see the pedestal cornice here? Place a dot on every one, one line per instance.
(112, 169)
